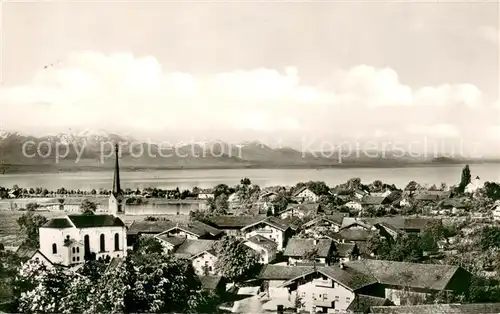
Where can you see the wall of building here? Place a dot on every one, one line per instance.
(202, 260)
(311, 291)
(265, 256)
(267, 232)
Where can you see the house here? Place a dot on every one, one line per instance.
(170, 243)
(306, 195)
(458, 308)
(206, 194)
(347, 251)
(272, 228)
(265, 247)
(388, 231)
(27, 253)
(453, 205)
(322, 224)
(398, 280)
(427, 199)
(194, 230)
(201, 255)
(69, 240)
(297, 250)
(406, 224)
(340, 289)
(232, 225)
(137, 228)
(474, 186)
(300, 210)
(359, 194)
(354, 204)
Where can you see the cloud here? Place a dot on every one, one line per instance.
(136, 94)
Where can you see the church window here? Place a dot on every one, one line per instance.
(54, 248)
(117, 242)
(103, 243)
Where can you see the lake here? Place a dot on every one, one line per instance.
(204, 178)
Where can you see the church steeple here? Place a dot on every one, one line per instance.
(116, 180)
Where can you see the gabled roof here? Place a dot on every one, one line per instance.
(348, 278)
(373, 200)
(196, 228)
(138, 227)
(25, 251)
(175, 241)
(388, 226)
(297, 247)
(210, 282)
(345, 249)
(95, 221)
(263, 241)
(280, 272)
(355, 234)
(414, 275)
(270, 221)
(304, 208)
(466, 308)
(234, 222)
(335, 219)
(363, 303)
(450, 203)
(190, 248)
(58, 223)
(302, 189)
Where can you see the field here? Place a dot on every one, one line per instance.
(11, 235)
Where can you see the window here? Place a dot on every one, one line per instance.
(209, 268)
(103, 243)
(54, 248)
(73, 250)
(86, 244)
(117, 242)
(78, 258)
(77, 250)
(325, 297)
(73, 258)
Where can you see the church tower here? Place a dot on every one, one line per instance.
(116, 199)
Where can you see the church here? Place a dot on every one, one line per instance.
(72, 239)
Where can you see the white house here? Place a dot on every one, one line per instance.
(201, 254)
(69, 240)
(306, 195)
(272, 228)
(206, 194)
(265, 247)
(475, 185)
(354, 205)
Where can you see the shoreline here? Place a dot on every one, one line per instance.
(45, 168)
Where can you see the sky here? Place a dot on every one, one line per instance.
(282, 72)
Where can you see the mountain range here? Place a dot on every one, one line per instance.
(93, 150)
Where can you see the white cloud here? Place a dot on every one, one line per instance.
(123, 92)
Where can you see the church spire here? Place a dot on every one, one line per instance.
(116, 180)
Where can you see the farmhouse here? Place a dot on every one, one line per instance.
(306, 195)
(265, 247)
(272, 228)
(297, 250)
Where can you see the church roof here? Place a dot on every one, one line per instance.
(94, 221)
(58, 223)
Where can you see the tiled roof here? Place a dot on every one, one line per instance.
(450, 203)
(175, 241)
(355, 234)
(363, 303)
(94, 221)
(300, 190)
(58, 223)
(209, 282)
(415, 275)
(373, 200)
(236, 222)
(334, 219)
(197, 228)
(297, 247)
(347, 277)
(345, 249)
(428, 197)
(263, 241)
(138, 227)
(25, 251)
(193, 247)
(304, 208)
(280, 272)
(271, 221)
(473, 308)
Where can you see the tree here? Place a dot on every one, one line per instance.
(30, 224)
(235, 260)
(492, 190)
(465, 180)
(245, 182)
(87, 207)
(412, 186)
(32, 206)
(148, 245)
(41, 289)
(221, 204)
